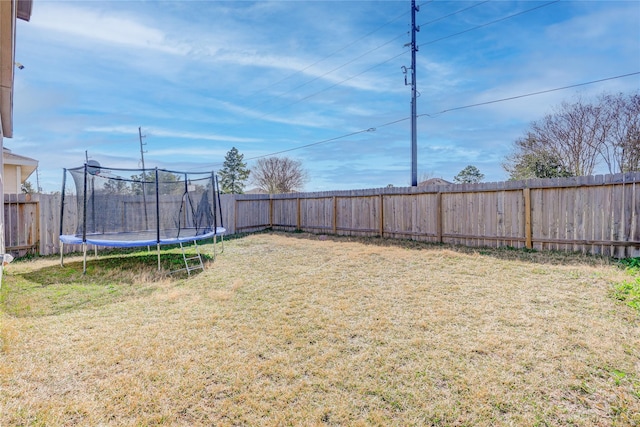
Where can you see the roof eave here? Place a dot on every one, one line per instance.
(24, 9)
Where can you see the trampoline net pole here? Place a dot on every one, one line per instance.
(84, 207)
(84, 258)
(158, 215)
(64, 185)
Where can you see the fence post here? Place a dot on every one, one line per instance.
(298, 219)
(235, 213)
(381, 215)
(527, 218)
(335, 215)
(439, 216)
(37, 231)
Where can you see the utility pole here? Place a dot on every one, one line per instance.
(140, 135)
(39, 189)
(144, 178)
(414, 96)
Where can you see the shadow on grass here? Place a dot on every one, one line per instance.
(129, 267)
(56, 289)
(503, 253)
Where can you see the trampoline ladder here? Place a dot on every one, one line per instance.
(193, 262)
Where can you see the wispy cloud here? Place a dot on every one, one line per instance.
(160, 132)
(83, 23)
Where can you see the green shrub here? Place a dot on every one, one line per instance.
(629, 290)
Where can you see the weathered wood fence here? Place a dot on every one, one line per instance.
(22, 222)
(595, 214)
(32, 223)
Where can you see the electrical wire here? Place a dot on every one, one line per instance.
(335, 84)
(302, 70)
(394, 57)
(453, 13)
(369, 51)
(530, 94)
(432, 115)
(490, 23)
(314, 143)
(336, 69)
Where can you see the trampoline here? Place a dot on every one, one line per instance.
(122, 208)
(139, 238)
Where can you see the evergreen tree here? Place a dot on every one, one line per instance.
(234, 173)
(27, 188)
(470, 174)
(529, 160)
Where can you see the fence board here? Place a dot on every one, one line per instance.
(599, 214)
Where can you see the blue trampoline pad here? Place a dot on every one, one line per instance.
(142, 238)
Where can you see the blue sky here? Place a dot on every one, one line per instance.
(201, 77)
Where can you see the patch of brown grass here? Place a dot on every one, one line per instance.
(291, 330)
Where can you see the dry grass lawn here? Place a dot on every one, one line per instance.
(293, 329)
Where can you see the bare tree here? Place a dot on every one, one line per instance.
(574, 135)
(571, 141)
(621, 151)
(278, 175)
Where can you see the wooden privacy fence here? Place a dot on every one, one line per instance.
(594, 214)
(32, 223)
(22, 222)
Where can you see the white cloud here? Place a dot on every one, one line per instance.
(84, 23)
(155, 131)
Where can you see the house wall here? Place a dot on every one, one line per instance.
(2, 241)
(11, 179)
(7, 46)
(7, 49)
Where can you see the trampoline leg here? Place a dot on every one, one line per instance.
(158, 248)
(214, 246)
(61, 254)
(84, 259)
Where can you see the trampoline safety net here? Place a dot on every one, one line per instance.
(135, 207)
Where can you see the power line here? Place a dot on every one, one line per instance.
(531, 94)
(336, 69)
(302, 70)
(491, 23)
(394, 57)
(453, 13)
(315, 143)
(335, 84)
(373, 129)
(376, 48)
